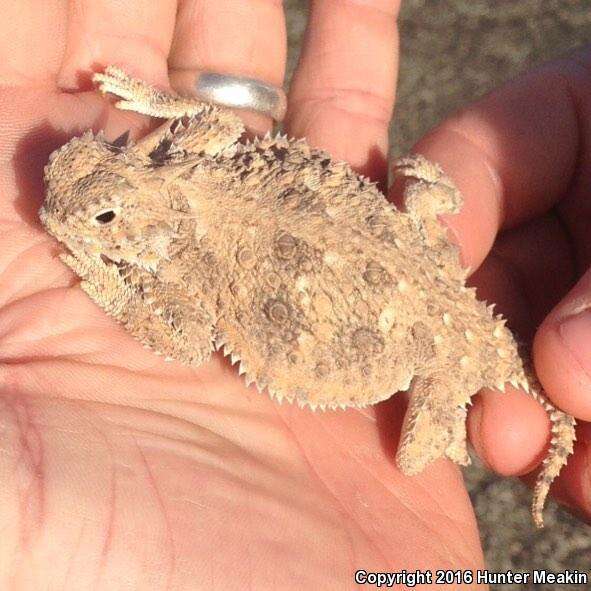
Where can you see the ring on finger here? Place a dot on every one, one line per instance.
(239, 92)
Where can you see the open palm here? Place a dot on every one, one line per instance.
(118, 470)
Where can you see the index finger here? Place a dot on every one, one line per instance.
(514, 153)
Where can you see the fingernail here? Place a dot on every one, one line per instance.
(575, 332)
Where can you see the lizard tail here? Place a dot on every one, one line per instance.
(562, 427)
(561, 446)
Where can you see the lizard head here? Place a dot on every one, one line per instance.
(105, 199)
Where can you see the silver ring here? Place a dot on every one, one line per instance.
(237, 92)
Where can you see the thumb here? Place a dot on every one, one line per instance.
(562, 351)
(562, 355)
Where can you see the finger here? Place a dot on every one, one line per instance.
(342, 92)
(562, 351)
(514, 154)
(502, 439)
(32, 41)
(504, 443)
(37, 121)
(226, 36)
(134, 35)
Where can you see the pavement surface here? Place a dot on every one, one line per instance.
(454, 51)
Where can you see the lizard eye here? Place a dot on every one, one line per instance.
(105, 217)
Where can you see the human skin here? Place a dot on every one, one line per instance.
(120, 471)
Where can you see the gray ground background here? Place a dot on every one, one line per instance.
(452, 52)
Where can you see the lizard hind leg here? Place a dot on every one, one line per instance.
(457, 448)
(434, 426)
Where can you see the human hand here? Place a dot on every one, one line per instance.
(120, 470)
(519, 156)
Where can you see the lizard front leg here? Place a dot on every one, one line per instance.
(156, 314)
(209, 129)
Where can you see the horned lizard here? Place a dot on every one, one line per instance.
(291, 263)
